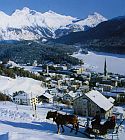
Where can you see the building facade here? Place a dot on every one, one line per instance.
(25, 99)
(88, 104)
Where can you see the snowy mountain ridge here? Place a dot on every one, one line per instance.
(29, 24)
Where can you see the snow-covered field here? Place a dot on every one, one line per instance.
(95, 61)
(29, 85)
(32, 69)
(18, 122)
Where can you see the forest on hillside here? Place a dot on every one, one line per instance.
(24, 52)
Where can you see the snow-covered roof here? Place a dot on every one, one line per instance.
(84, 87)
(25, 96)
(47, 95)
(32, 68)
(72, 79)
(109, 94)
(118, 90)
(118, 110)
(72, 94)
(64, 87)
(112, 100)
(13, 64)
(53, 90)
(99, 99)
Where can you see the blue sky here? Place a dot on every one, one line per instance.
(76, 8)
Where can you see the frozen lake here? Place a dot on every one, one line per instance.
(95, 61)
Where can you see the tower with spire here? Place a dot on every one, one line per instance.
(105, 68)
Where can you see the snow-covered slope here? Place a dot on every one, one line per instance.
(28, 24)
(29, 85)
(92, 20)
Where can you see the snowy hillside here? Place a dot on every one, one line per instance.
(29, 24)
(29, 85)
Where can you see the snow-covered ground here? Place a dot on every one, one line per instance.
(29, 85)
(33, 69)
(95, 61)
(18, 122)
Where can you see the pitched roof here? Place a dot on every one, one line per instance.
(72, 94)
(112, 100)
(47, 95)
(118, 90)
(25, 96)
(99, 99)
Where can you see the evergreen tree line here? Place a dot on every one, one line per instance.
(111, 45)
(27, 51)
(13, 72)
(4, 97)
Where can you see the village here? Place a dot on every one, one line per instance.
(62, 70)
(84, 91)
(73, 87)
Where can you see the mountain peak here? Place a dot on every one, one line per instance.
(33, 25)
(26, 9)
(96, 13)
(52, 12)
(2, 13)
(91, 21)
(97, 16)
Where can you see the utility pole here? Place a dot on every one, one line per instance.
(4, 96)
(33, 102)
(35, 110)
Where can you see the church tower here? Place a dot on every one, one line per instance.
(47, 70)
(105, 68)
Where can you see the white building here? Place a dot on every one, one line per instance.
(46, 97)
(112, 100)
(55, 93)
(105, 87)
(24, 98)
(69, 96)
(118, 90)
(52, 91)
(118, 93)
(89, 103)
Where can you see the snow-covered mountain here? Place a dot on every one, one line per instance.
(28, 24)
(92, 20)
